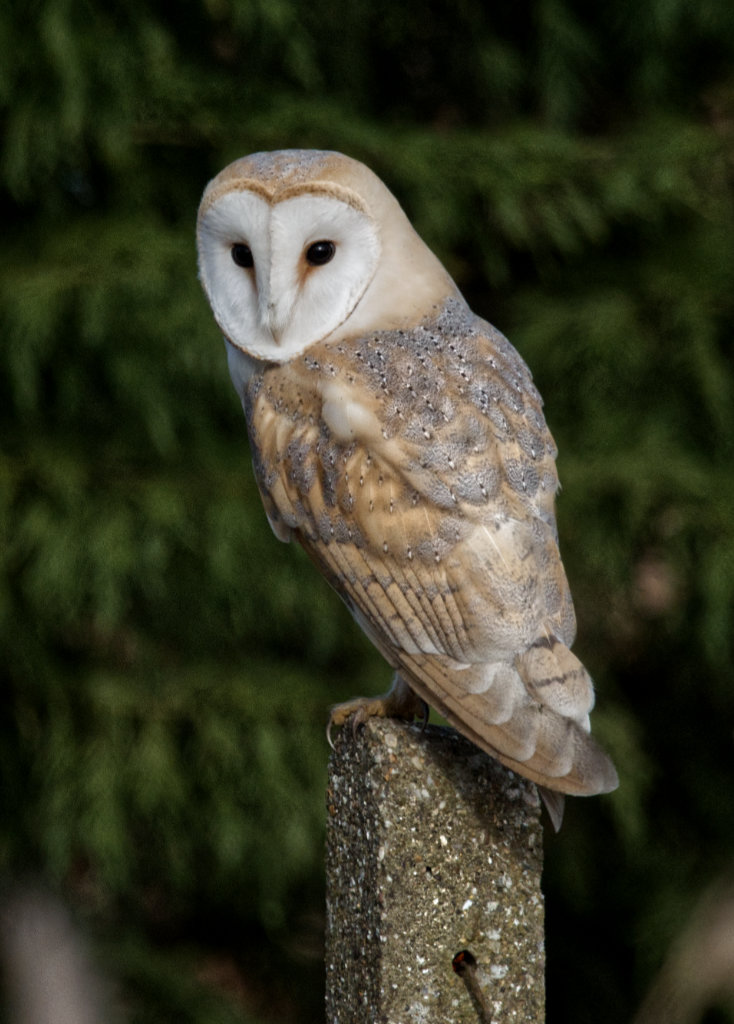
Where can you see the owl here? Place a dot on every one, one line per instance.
(400, 440)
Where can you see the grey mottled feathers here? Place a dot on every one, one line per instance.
(417, 471)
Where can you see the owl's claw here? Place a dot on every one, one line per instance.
(329, 740)
(399, 702)
(425, 712)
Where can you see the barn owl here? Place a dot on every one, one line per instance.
(400, 440)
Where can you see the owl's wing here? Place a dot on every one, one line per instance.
(499, 673)
(431, 514)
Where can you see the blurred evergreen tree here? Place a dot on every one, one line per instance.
(167, 664)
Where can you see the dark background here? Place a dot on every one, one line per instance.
(166, 664)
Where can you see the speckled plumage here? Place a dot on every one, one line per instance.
(412, 461)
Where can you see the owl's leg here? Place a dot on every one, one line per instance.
(398, 702)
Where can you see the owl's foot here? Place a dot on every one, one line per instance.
(399, 702)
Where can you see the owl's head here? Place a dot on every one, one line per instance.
(299, 244)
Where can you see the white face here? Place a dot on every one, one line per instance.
(282, 276)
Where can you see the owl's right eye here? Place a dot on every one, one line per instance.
(242, 255)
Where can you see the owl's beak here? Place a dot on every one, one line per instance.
(277, 320)
(275, 315)
(274, 322)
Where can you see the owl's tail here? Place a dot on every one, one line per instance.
(531, 714)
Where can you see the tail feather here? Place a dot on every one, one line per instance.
(556, 677)
(531, 715)
(555, 804)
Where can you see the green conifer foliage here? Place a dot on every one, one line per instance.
(167, 664)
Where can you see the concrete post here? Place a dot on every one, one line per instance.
(433, 850)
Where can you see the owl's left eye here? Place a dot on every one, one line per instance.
(320, 253)
(242, 255)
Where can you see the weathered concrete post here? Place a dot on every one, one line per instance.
(432, 848)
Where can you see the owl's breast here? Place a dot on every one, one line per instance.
(319, 453)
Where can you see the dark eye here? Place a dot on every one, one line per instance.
(320, 253)
(242, 255)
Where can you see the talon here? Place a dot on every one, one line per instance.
(400, 702)
(425, 712)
